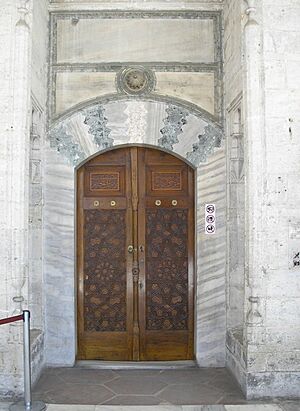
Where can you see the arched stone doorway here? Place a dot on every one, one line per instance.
(135, 256)
(93, 129)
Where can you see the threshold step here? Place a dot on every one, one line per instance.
(135, 365)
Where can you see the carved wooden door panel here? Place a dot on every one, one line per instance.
(166, 261)
(104, 229)
(135, 256)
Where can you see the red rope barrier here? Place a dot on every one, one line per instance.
(11, 319)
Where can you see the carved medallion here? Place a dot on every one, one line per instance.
(135, 80)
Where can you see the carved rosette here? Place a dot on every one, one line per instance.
(135, 80)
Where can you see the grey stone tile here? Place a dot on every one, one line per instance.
(138, 408)
(67, 407)
(4, 406)
(190, 394)
(134, 400)
(253, 407)
(135, 385)
(86, 376)
(48, 381)
(203, 408)
(233, 399)
(78, 394)
(290, 405)
(138, 373)
(225, 382)
(193, 376)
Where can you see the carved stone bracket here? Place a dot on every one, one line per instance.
(95, 119)
(23, 8)
(253, 315)
(175, 120)
(251, 12)
(211, 138)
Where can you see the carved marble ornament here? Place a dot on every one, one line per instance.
(135, 80)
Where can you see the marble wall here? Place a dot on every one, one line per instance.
(233, 103)
(101, 126)
(39, 71)
(186, 67)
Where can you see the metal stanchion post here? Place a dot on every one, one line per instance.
(27, 404)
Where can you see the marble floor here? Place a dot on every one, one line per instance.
(194, 389)
(285, 406)
(138, 387)
(181, 387)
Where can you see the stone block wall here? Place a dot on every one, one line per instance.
(20, 224)
(15, 49)
(273, 331)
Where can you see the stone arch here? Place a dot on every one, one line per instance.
(107, 122)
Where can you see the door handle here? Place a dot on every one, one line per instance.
(130, 249)
(141, 285)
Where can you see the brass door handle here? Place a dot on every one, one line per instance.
(130, 249)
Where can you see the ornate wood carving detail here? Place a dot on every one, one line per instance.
(167, 269)
(104, 270)
(166, 180)
(104, 181)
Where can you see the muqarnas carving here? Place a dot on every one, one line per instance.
(207, 141)
(97, 122)
(175, 120)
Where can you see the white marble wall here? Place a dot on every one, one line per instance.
(39, 72)
(74, 88)
(133, 122)
(134, 40)
(233, 98)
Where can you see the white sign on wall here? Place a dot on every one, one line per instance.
(210, 219)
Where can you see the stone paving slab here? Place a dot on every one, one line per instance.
(283, 406)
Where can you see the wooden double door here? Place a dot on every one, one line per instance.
(135, 256)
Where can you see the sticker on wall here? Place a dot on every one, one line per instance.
(210, 219)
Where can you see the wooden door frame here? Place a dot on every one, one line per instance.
(76, 215)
